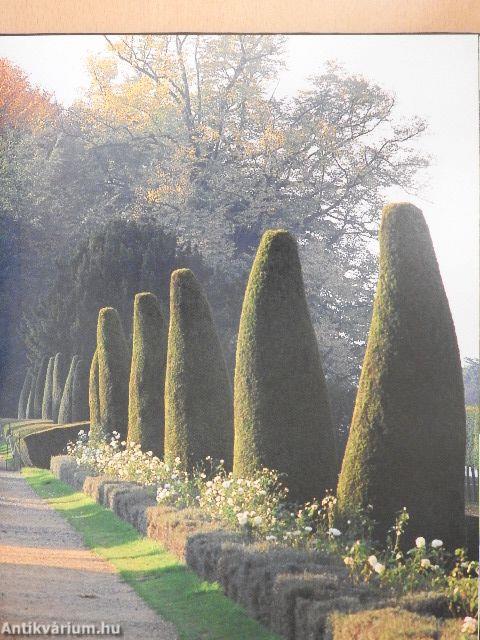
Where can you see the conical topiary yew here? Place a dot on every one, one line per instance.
(406, 446)
(40, 387)
(146, 408)
(65, 412)
(96, 431)
(282, 413)
(60, 372)
(29, 412)
(113, 372)
(80, 405)
(24, 395)
(47, 393)
(198, 405)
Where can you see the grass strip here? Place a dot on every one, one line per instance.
(5, 452)
(198, 609)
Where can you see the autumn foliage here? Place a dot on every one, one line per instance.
(21, 104)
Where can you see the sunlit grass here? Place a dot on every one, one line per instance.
(198, 609)
(5, 452)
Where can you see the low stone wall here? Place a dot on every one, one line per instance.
(66, 470)
(290, 591)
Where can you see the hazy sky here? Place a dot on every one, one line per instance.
(433, 76)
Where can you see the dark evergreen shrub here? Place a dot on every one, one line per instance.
(48, 391)
(31, 396)
(60, 372)
(146, 408)
(40, 387)
(282, 412)
(94, 400)
(198, 404)
(80, 404)
(406, 446)
(65, 411)
(113, 372)
(24, 394)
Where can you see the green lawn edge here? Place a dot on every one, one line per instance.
(198, 609)
(5, 452)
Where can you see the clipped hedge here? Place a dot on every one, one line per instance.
(146, 407)
(113, 372)
(94, 400)
(198, 400)
(40, 387)
(24, 395)
(65, 411)
(80, 405)
(282, 411)
(29, 412)
(406, 446)
(48, 391)
(18, 429)
(302, 595)
(40, 445)
(60, 371)
(390, 624)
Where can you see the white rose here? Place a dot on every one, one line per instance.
(420, 542)
(469, 625)
(348, 561)
(334, 532)
(425, 563)
(379, 568)
(372, 561)
(308, 529)
(242, 518)
(436, 544)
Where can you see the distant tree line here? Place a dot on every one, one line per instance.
(180, 154)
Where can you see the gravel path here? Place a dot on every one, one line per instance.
(48, 576)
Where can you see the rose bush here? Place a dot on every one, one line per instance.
(258, 506)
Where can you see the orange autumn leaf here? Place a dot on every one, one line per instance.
(21, 104)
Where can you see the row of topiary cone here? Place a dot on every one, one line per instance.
(174, 397)
(406, 446)
(407, 439)
(55, 391)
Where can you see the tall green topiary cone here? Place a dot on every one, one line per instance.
(406, 446)
(198, 405)
(146, 407)
(282, 413)
(29, 413)
(60, 372)
(24, 394)
(96, 430)
(40, 387)
(65, 411)
(47, 393)
(80, 404)
(113, 372)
